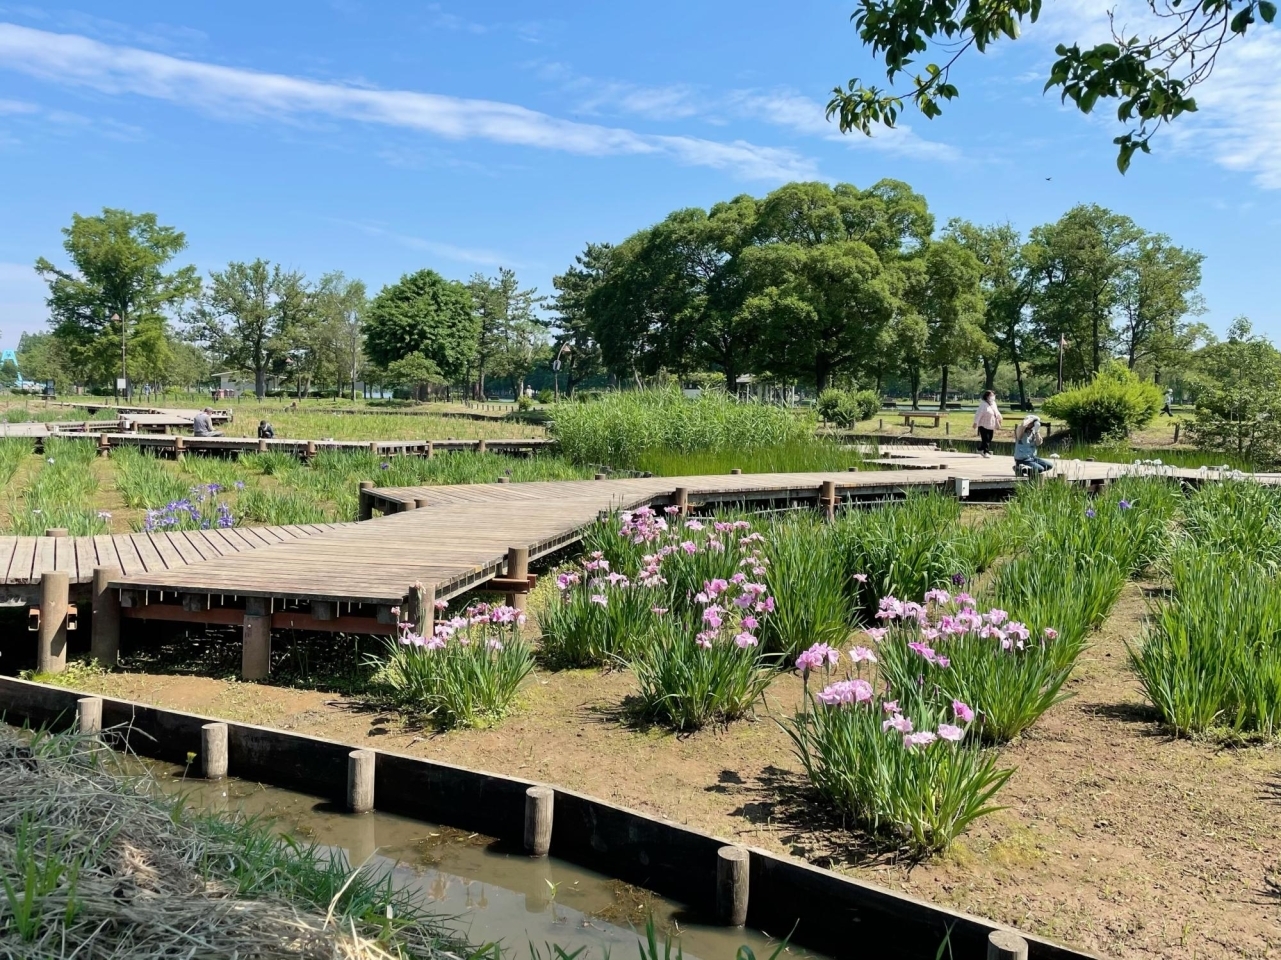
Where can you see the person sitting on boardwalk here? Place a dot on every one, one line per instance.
(988, 420)
(1027, 437)
(266, 431)
(202, 424)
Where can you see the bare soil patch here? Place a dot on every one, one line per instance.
(1115, 838)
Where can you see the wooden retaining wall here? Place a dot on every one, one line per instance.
(823, 910)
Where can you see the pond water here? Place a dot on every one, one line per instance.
(487, 893)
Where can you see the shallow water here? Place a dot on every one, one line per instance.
(488, 893)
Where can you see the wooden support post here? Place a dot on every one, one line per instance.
(732, 871)
(213, 750)
(323, 609)
(482, 447)
(517, 569)
(309, 452)
(366, 500)
(736, 472)
(89, 715)
(255, 658)
(104, 445)
(947, 428)
(421, 503)
(539, 803)
(431, 449)
(504, 479)
(853, 469)
(420, 610)
(880, 424)
(680, 497)
(601, 476)
(360, 781)
(373, 447)
(179, 446)
(827, 499)
(262, 445)
(1176, 433)
(1006, 945)
(51, 656)
(105, 632)
(57, 532)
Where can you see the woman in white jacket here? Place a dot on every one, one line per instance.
(988, 420)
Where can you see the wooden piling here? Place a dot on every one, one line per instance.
(421, 502)
(51, 655)
(1006, 945)
(105, 632)
(827, 499)
(89, 715)
(179, 446)
(255, 659)
(366, 500)
(56, 532)
(736, 472)
(680, 497)
(539, 802)
(360, 781)
(213, 750)
(733, 868)
(310, 450)
(262, 445)
(517, 569)
(420, 609)
(602, 476)
(482, 447)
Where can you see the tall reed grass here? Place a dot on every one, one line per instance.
(620, 427)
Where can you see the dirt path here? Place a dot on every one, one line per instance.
(1115, 839)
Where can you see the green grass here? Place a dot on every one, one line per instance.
(809, 455)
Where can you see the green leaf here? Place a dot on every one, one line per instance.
(1267, 10)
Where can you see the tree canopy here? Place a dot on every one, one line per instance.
(1151, 75)
(426, 314)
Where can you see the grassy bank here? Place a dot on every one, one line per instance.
(93, 865)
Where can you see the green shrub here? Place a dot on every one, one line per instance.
(524, 403)
(1115, 402)
(846, 408)
(595, 620)
(545, 396)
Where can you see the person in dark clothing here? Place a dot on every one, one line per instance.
(265, 430)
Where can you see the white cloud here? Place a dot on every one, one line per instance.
(236, 93)
(16, 106)
(787, 108)
(448, 251)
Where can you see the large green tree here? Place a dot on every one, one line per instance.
(1238, 407)
(1150, 73)
(574, 345)
(424, 313)
(119, 269)
(1158, 292)
(513, 335)
(247, 315)
(945, 288)
(338, 305)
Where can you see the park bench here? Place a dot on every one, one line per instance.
(909, 417)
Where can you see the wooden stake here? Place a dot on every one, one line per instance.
(105, 632)
(360, 781)
(736, 472)
(1006, 945)
(255, 659)
(89, 715)
(57, 532)
(680, 497)
(539, 802)
(733, 868)
(421, 608)
(827, 498)
(366, 500)
(517, 569)
(213, 750)
(51, 656)
(179, 445)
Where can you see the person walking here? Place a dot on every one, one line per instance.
(1027, 438)
(1169, 399)
(987, 419)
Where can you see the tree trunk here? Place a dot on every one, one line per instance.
(989, 373)
(1018, 375)
(943, 391)
(915, 379)
(260, 382)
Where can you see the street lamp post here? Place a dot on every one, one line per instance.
(124, 368)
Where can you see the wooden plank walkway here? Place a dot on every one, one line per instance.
(461, 535)
(23, 560)
(226, 446)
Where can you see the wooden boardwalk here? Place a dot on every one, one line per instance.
(351, 577)
(24, 560)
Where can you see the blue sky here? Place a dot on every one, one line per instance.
(379, 138)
